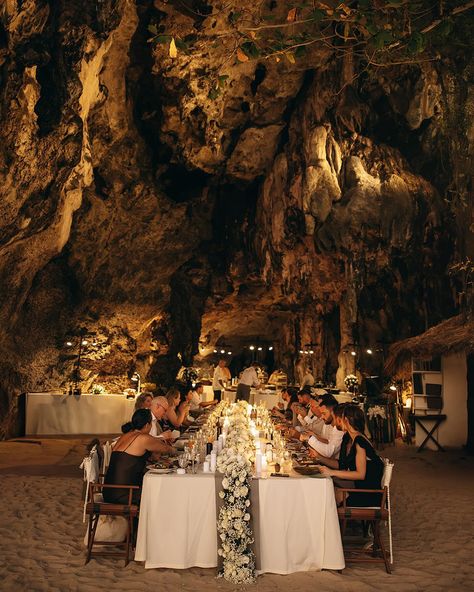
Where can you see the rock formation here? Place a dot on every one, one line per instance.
(162, 200)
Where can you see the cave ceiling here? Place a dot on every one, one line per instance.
(160, 201)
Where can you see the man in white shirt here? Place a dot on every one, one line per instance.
(330, 445)
(221, 375)
(196, 400)
(159, 406)
(248, 379)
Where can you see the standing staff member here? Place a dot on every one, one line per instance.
(248, 379)
(221, 375)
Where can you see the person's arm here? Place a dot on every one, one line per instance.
(177, 418)
(358, 474)
(157, 445)
(329, 449)
(332, 463)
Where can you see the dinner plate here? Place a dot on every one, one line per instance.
(161, 471)
(307, 471)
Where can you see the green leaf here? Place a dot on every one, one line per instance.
(300, 52)
(153, 30)
(444, 28)
(213, 93)
(250, 49)
(222, 80)
(163, 39)
(382, 39)
(234, 17)
(416, 43)
(318, 15)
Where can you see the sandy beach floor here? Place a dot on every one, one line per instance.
(41, 531)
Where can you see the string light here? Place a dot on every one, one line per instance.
(353, 353)
(369, 351)
(229, 353)
(252, 347)
(259, 348)
(222, 351)
(69, 343)
(270, 348)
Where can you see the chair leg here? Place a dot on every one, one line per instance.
(93, 521)
(379, 543)
(128, 540)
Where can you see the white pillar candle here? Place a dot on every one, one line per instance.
(213, 462)
(258, 463)
(264, 464)
(206, 466)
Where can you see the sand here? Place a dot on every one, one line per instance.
(41, 531)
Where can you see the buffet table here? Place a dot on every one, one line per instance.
(59, 414)
(295, 523)
(268, 398)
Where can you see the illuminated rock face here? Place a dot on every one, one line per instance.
(143, 208)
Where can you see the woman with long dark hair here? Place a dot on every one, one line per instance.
(364, 468)
(129, 457)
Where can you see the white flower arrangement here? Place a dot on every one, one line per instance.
(351, 381)
(233, 523)
(376, 411)
(97, 389)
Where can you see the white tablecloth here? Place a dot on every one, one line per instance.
(295, 523)
(50, 413)
(270, 399)
(177, 527)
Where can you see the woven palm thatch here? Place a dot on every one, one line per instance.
(451, 336)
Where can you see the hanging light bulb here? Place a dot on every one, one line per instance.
(393, 387)
(229, 353)
(252, 347)
(369, 351)
(301, 351)
(311, 351)
(222, 351)
(69, 343)
(215, 351)
(353, 353)
(259, 348)
(84, 342)
(270, 348)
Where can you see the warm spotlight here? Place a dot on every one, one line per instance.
(84, 342)
(270, 348)
(353, 353)
(369, 351)
(69, 343)
(252, 347)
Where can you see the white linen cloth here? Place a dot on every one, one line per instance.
(177, 527)
(298, 527)
(268, 398)
(54, 413)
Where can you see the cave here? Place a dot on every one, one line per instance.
(282, 188)
(263, 199)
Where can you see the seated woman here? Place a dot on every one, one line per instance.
(177, 412)
(143, 401)
(363, 467)
(129, 457)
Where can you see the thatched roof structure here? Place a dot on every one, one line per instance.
(453, 335)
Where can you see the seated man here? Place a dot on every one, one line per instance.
(333, 462)
(197, 404)
(327, 446)
(159, 406)
(302, 407)
(313, 422)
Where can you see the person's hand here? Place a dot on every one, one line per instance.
(280, 406)
(325, 470)
(304, 437)
(168, 435)
(313, 453)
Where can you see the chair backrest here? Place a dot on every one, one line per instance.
(106, 453)
(387, 472)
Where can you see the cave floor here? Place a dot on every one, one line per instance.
(41, 531)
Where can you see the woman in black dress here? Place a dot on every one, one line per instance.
(364, 468)
(129, 457)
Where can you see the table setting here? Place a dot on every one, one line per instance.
(237, 496)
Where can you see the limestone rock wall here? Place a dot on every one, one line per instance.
(163, 202)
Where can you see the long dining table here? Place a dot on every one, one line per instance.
(294, 521)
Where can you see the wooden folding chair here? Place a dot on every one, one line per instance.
(372, 515)
(96, 508)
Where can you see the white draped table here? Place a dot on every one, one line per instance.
(295, 523)
(269, 398)
(59, 414)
